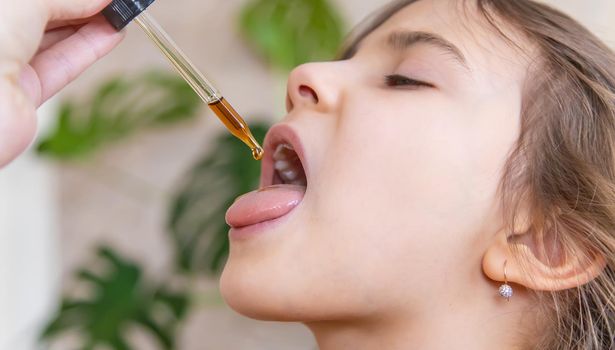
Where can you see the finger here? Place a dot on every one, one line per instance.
(64, 61)
(54, 36)
(21, 28)
(30, 84)
(17, 121)
(77, 22)
(74, 9)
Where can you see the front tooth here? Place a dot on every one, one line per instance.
(289, 175)
(281, 165)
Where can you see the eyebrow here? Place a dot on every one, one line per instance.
(403, 40)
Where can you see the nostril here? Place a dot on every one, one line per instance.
(306, 91)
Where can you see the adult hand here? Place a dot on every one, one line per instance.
(44, 45)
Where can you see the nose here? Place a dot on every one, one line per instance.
(313, 85)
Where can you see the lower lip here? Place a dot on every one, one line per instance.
(251, 231)
(259, 211)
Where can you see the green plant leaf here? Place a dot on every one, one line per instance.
(117, 110)
(120, 299)
(196, 220)
(291, 32)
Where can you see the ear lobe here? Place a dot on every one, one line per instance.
(524, 267)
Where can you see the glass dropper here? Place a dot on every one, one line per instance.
(121, 12)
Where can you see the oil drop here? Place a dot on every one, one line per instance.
(236, 125)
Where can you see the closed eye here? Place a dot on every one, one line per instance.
(394, 80)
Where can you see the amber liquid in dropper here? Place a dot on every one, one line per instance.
(236, 125)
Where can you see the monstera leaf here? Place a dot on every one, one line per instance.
(118, 108)
(292, 32)
(196, 220)
(121, 299)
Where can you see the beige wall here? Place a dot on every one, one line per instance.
(121, 196)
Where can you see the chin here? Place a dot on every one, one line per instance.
(253, 297)
(273, 298)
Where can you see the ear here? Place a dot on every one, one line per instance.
(536, 265)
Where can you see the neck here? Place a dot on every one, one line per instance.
(494, 324)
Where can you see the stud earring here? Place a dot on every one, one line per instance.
(506, 291)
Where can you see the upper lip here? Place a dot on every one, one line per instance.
(280, 134)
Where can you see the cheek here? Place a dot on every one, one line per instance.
(388, 165)
(403, 186)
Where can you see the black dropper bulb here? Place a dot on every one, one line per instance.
(121, 12)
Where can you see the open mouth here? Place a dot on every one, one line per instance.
(284, 181)
(288, 169)
(285, 161)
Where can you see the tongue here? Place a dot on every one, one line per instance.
(265, 204)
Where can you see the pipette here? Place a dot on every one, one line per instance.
(121, 12)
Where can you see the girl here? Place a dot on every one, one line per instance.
(449, 183)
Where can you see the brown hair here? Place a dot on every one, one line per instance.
(562, 170)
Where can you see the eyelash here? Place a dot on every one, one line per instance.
(393, 80)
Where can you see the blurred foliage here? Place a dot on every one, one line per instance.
(118, 109)
(121, 299)
(292, 32)
(196, 219)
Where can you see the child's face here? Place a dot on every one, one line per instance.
(401, 201)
